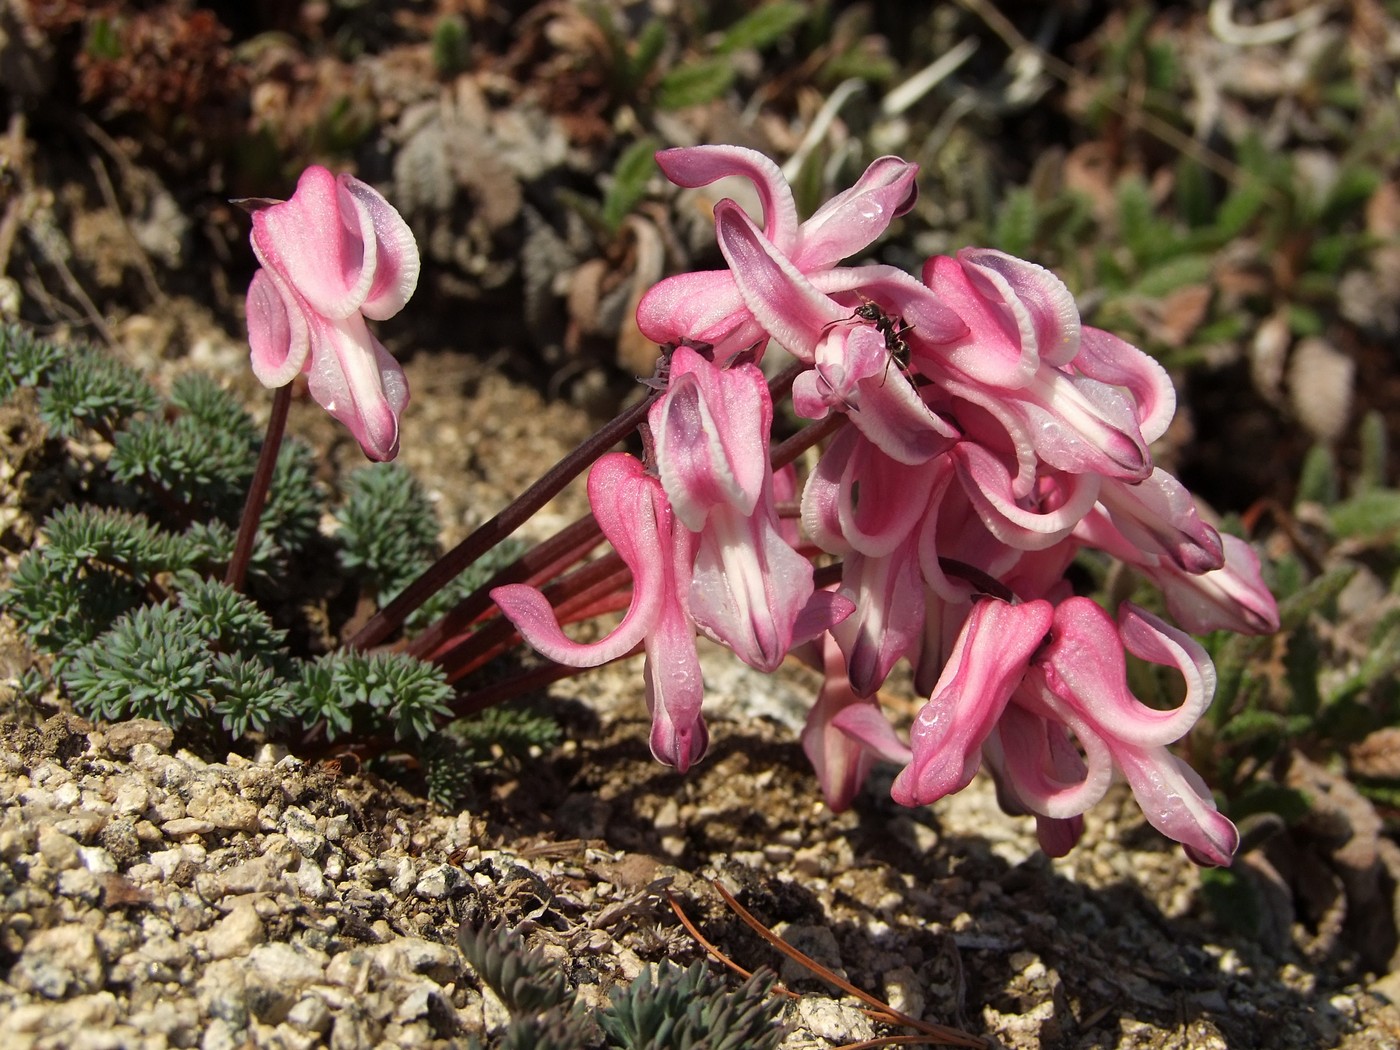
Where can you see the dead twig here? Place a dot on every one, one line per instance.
(879, 1010)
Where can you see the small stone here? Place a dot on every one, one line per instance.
(120, 738)
(440, 882)
(97, 860)
(278, 973)
(182, 826)
(133, 798)
(252, 876)
(310, 1014)
(237, 933)
(60, 851)
(81, 884)
(833, 1021)
(411, 955)
(59, 962)
(402, 876)
(220, 1035)
(223, 809)
(311, 882)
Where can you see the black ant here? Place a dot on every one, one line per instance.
(893, 330)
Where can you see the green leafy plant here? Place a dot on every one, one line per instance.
(673, 1009)
(127, 598)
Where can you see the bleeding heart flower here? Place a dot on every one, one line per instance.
(335, 253)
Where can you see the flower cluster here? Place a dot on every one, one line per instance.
(334, 254)
(993, 435)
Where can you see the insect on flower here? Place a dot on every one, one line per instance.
(892, 328)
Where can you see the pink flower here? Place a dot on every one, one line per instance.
(986, 666)
(635, 516)
(706, 307)
(749, 590)
(1021, 678)
(841, 758)
(334, 254)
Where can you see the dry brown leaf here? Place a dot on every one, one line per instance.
(1378, 755)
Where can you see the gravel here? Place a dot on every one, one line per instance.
(152, 898)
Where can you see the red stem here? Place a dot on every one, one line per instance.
(257, 488)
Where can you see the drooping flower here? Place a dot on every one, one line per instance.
(635, 516)
(749, 589)
(334, 254)
(1022, 677)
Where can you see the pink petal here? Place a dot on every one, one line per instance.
(780, 297)
(1034, 754)
(1108, 359)
(357, 381)
(396, 257)
(1084, 666)
(1159, 516)
(1035, 301)
(631, 513)
(987, 664)
(1176, 801)
(675, 686)
(320, 243)
(695, 166)
(889, 617)
(277, 331)
(1233, 598)
(991, 350)
(852, 220)
(749, 587)
(840, 760)
(704, 307)
(987, 485)
(893, 416)
(711, 433)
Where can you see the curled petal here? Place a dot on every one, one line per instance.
(889, 615)
(1110, 360)
(992, 350)
(1035, 301)
(396, 256)
(860, 499)
(711, 430)
(1232, 598)
(1037, 762)
(987, 484)
(321, 242)
(358, 382)
(892, 415)
(1159, 516)
(675, 687)
(991, 657)
(780, 297)
(851, 220)
(633, 515)
(695, 166)
(1172, 796)
(1084, 666)
(704, 307)
(749, 587)
(277, 330)
(1176, 801)
(841, 760)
